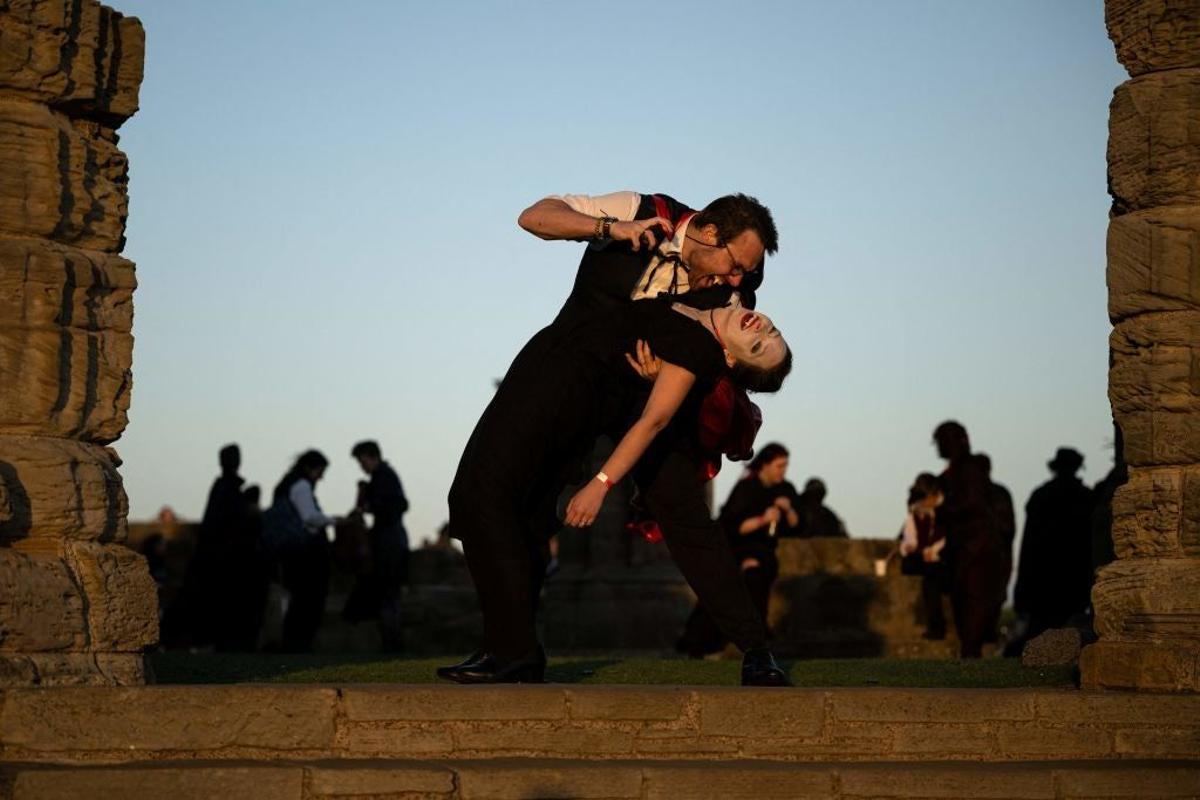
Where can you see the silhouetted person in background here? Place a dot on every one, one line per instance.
(816, 518)
(922, 543)
(304, 557)
(198, 611)
(760, 508)
(1004, 528)
(383, 498)
(972, 546)
(246, 580)
(1055, 576)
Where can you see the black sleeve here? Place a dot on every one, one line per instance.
(686, 343)
(739, 508)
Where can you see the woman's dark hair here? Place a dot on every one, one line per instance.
(735, 213)
(308, 461)
(757, 379)
(925, 485)
(769, 453)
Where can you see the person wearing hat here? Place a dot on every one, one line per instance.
(1054, 575)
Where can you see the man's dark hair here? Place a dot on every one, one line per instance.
(230, 458)
(757, 379)
(368, 448)
(739, 212)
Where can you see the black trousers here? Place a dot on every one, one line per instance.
(701, 635)
(306, 578)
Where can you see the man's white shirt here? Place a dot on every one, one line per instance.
(623, 206)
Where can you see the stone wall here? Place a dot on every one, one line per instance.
(1147, 602)
(76, 607)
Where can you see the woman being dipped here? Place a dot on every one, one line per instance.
(545, 417)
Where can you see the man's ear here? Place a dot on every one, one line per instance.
(711, 231)
(729, 359)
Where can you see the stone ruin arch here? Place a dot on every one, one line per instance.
(76, 607)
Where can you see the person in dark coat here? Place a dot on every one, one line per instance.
(972, 546)
(643, 246)
(203, 603)
(1054, 577)
(246, 575)
(1004, 529)
(816, 518)
(383, 498)
(761, 508)
(304, 567)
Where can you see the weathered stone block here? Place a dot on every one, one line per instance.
(374, 779)
(41, 608)
(81, 57)
(412, 703)
(500, 779)
(1154, 141)
(71, 669)
(122, 599)
(1154, 261)
(928, 705)
(747, 782)
(628, 703)
(176, 781)
(67, 382)
(165, 718)
(1117, 781)
(61, 180)
(490, 741)
(1160, 437)
(44, 285)
(1154, 34)
(1156, 363)
(1007, 781)
(750, 712)
(387, 742)
(1149, 666)
(1147, 513)
(1118, 709)
(52, 489)
(1148, 599)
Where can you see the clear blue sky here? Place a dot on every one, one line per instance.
(324, 195)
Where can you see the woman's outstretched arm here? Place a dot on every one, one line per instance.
(670, 388)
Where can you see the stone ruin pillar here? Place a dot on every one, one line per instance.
(1147, 602)
(76, 606)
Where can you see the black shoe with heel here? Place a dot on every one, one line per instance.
(759, 668)
(487, 668)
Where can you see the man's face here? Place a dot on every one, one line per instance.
(367, 463)
(710, 262)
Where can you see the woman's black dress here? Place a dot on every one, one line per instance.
(545, 416)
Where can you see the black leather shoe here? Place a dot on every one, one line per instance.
(489, 669)
(759, 669)
(471, 662)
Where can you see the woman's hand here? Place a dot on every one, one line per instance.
(783, 503)
(585, 505)
(646, 364)
(772, 514)
(640, 231)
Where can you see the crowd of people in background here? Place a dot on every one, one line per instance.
(958, 537)
(241, 548)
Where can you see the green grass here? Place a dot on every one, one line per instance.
(207, 668)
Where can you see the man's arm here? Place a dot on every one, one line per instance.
(574, 217)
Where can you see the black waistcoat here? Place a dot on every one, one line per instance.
(607, 275)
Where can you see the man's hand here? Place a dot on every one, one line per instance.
(585, 505)
(641, 231)
(646, 364)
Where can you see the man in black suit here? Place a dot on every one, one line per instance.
(642, 245)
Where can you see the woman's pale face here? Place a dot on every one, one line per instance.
(772, 473)
(750, 337)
